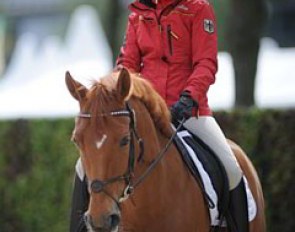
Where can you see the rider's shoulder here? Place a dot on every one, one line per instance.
(133, 17)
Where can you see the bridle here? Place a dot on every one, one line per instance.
(98, 186)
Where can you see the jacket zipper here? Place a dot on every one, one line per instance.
(172, 6)
(170, 36)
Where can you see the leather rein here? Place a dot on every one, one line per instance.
(98, 186)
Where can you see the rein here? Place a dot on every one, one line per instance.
(98, 186)
(159, 157)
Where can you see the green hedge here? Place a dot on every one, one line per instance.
(37, 162)
(268, 137)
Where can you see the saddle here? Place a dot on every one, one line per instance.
(210, 175)
(208, 171)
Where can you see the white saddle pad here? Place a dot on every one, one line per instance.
(252, 208)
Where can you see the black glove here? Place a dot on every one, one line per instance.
(183, 108)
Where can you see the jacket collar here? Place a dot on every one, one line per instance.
(139, 6)
(148, 3)
(163, 3)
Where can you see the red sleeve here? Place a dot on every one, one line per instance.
(204, 52)
(129, 56)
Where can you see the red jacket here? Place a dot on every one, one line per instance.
(174, 47)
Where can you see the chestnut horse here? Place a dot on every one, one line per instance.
(135, 187)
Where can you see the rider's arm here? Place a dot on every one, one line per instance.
(129, 56)
(204, 52)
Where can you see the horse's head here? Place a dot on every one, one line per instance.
(105, 133)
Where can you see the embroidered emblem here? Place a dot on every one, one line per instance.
(208, 26)
(183, 7)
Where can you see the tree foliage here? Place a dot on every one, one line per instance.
(245, 27)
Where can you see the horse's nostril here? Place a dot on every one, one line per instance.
(108, 222)
(113, 220)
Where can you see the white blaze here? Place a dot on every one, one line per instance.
(101, 142)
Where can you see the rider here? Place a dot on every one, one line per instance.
(173, 44)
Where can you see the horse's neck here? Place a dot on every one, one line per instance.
(170, 172)
(167, 188)
(153, 139)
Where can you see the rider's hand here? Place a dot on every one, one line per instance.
(184, 108)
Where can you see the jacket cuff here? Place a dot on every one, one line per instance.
(191, 91)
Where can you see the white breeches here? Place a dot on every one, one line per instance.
(207, 129)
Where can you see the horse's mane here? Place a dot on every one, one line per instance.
(155, 104)
(140, 89)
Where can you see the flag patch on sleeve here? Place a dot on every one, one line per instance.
(208, 25)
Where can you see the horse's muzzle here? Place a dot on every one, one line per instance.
(107, 223)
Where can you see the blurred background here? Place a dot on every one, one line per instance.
(254, 97)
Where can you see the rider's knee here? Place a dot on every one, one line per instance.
(235, 175)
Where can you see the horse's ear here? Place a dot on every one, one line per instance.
(77, 90)
(123, 84)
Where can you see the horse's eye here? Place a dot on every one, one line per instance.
(125, 141)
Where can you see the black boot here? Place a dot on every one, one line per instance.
(238, 209)
(80, 201)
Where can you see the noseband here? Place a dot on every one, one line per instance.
(98, 186)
